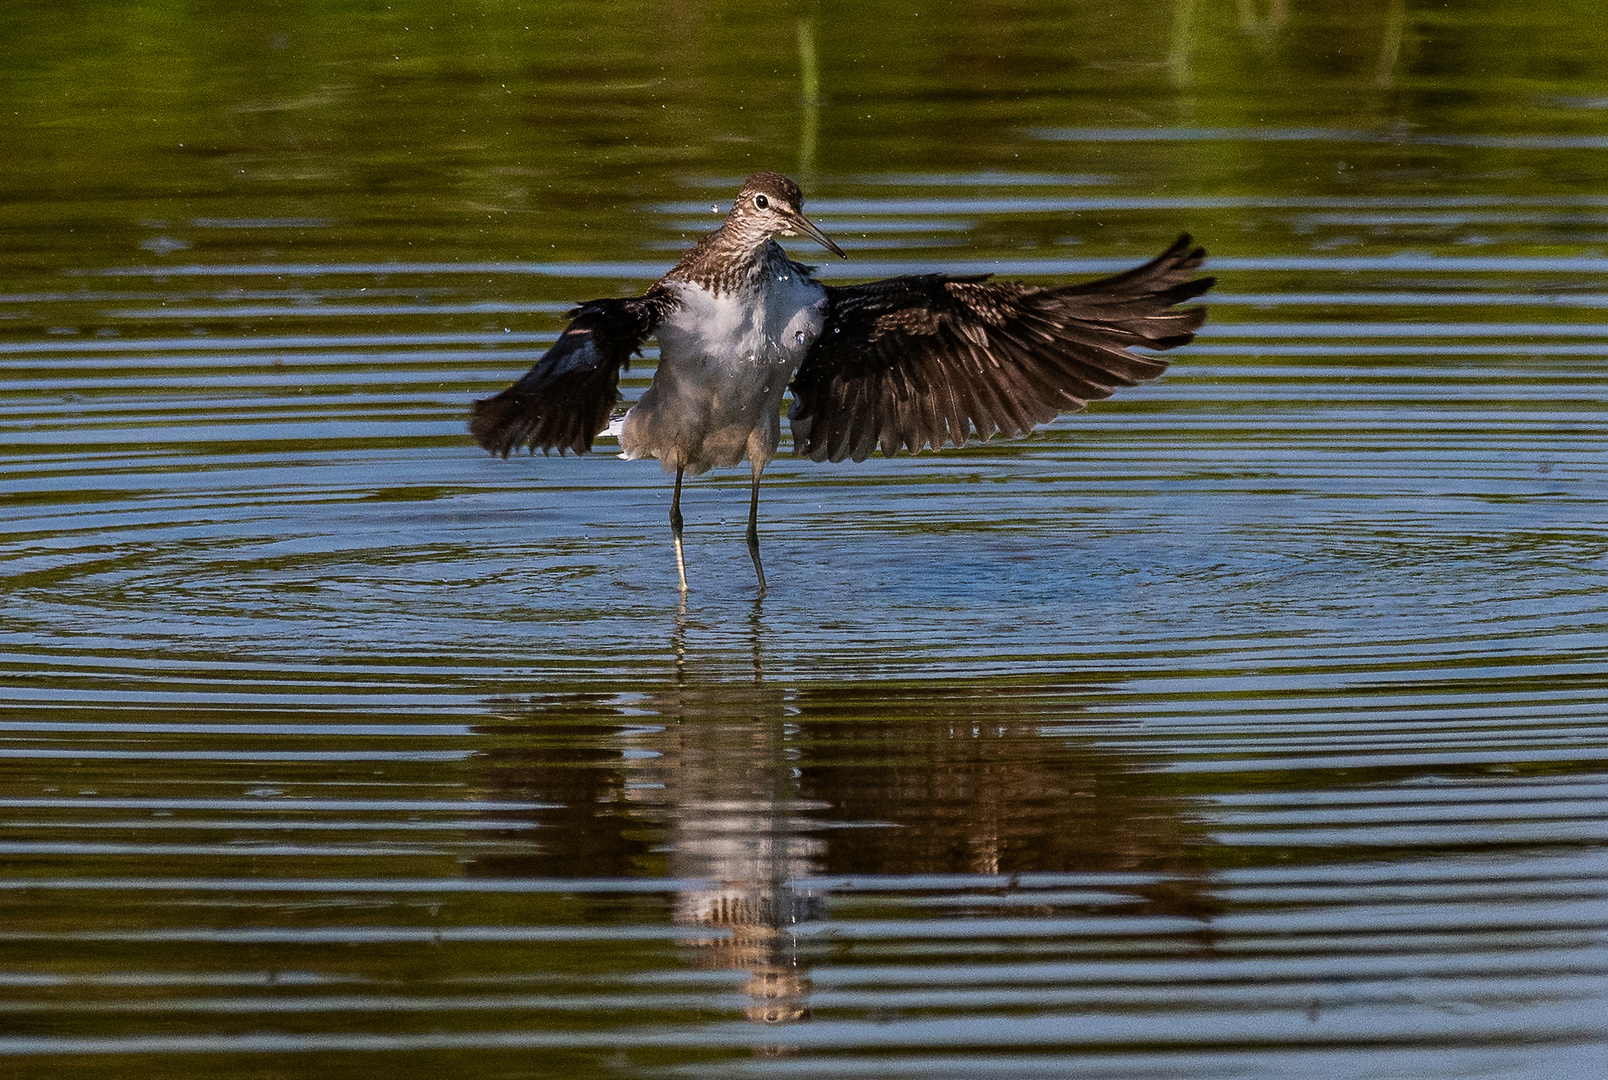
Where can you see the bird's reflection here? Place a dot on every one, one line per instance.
(726, 782)
(727, 777)
(751, 793)
(755, 631)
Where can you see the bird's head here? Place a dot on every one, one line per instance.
(770, 204)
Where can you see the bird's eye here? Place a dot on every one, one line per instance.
(761, 202)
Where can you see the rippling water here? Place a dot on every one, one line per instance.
(1250, 724)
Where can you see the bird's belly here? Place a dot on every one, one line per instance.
(724, 366)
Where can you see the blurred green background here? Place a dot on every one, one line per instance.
(512, 131)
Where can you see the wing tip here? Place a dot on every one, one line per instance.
(489, 424)
(502, 423)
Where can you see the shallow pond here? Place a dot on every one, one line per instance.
(1248, 724)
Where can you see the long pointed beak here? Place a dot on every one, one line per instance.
(803, 225)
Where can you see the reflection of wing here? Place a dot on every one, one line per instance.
(564, 400)
(923, 361)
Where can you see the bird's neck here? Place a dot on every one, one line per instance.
(728, 261)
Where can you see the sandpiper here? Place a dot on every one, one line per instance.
(915, 362)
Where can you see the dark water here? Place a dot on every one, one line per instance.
(1250, 724)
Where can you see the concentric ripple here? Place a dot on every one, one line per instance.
(1250, 724)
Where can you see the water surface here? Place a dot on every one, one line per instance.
(1248, 724)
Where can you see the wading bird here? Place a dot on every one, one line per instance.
(917, 362)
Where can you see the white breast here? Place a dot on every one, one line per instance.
(775, 326)
(725, 360)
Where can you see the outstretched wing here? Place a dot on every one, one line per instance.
(565, 399)
(922, 361)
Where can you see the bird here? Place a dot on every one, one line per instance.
(915, 362)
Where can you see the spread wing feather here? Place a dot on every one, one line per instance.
(923, 361)
(564, 400)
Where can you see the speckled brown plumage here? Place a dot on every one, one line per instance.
(916, 363)
(723, 261)
(926, 361)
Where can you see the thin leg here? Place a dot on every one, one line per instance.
(675, 531)
(753, 529)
